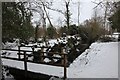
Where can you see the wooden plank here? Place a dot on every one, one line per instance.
(35, 46)
(55, 53)
(32, 51)
(32, 55)
(17, 50)
(13, 58)
(52, 57)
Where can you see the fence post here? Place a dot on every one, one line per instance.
(65, 68)
(42, 54)
(25, 64)
(62, 56)
(19, 52)
(64, 63)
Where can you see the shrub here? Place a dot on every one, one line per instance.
(106, 39)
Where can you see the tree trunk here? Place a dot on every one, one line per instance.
(36, 33)
(67, 16)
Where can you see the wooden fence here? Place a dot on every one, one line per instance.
(25, 58)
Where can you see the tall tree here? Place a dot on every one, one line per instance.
(78, 12)
(16, 20)
(66, 13)
(40, 7)
(115, 18)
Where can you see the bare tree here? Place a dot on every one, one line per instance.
(36, 31)
(44, 8)
(106, 5)
(78, 11)
(40, 7)
(66, 13)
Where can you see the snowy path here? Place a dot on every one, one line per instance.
(100, 61)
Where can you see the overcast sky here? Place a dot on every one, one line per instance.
(86, 11)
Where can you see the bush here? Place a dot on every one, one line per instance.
(106, 39)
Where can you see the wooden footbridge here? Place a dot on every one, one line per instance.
(37, 65)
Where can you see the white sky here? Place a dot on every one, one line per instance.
(86, 11)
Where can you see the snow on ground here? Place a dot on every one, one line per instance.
(100, 61)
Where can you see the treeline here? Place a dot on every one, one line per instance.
(89, 31)
(16, 23)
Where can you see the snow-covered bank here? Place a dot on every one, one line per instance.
(100, 61)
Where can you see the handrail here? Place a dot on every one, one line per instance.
(35, 46)
(35, 51)
(17, 50)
